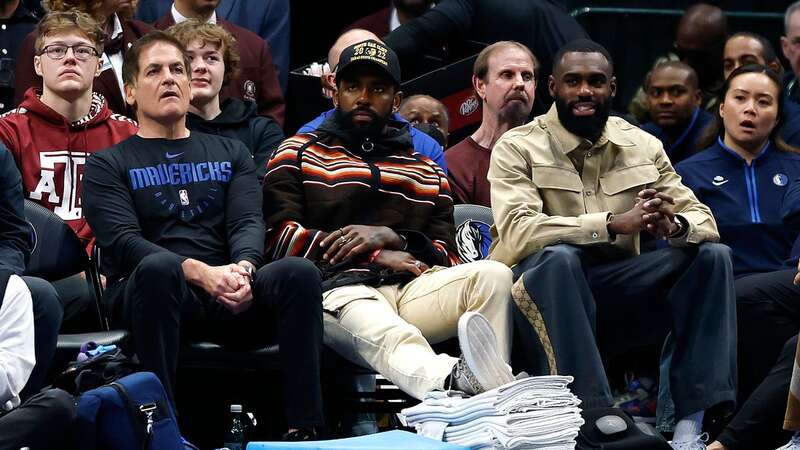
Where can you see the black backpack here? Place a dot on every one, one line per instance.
(632, 436)
(81, 376)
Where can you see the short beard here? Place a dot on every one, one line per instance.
(515, 114)
(359, 132)
(590, 127)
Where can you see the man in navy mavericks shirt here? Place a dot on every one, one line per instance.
(179, 217)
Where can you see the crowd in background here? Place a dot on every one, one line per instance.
(672, 222)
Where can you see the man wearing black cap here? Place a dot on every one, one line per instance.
(377, 218)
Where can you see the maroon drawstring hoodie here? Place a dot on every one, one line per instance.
(50, 152)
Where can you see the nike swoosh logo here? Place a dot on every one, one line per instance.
(719, 183)
(170, 155)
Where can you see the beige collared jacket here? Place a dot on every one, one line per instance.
(539, 198)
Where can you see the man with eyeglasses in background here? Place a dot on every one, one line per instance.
(55, 129)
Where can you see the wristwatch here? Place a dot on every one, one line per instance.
(679, 230)
(251, 272)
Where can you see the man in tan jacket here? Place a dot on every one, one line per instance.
(571, 191)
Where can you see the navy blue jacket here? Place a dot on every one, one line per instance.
(686, 144)
(15, 234)
(748, 202)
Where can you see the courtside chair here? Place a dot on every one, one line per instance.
(472, 231)
(57, 254)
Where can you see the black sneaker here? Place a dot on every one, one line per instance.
(480, 367)
(302, 434)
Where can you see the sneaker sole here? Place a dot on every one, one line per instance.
(479, 347)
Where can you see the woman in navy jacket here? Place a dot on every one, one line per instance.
(745, 177)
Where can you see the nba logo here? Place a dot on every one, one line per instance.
(184, 197)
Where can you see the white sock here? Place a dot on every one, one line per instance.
(689, 427)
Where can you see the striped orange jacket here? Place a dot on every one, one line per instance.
(313, 188)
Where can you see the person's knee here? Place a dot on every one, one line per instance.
(47, 308)
(562, 255)
(154, 275)
(295, 274)
(293, 270)
(714, 253)
(160, 268)
(789, 348)
(495, 275)
(60, 405)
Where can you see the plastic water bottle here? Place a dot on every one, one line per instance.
(234, 436)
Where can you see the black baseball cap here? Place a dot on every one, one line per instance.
(370, 52)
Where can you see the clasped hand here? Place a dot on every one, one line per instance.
(229, 285)
(353, 240)
(652, 211)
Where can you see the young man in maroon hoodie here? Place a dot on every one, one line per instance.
(54, 130)
(120, 31)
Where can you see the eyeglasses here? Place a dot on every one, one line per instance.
(58, 51)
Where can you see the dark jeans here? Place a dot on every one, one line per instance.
(768, 307)
(157, 304)
(589, 305)
(42, 422)
(80, 312)
(768, 313)
(47, 314)
(758, 424)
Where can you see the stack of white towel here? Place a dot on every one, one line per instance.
(530, 413)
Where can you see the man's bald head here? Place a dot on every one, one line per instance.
(347, 39)
(702, 25)
(699, 41)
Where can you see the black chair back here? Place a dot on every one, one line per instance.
(57, 251)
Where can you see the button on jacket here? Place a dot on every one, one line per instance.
(549, 186)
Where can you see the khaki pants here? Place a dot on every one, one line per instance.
(390, 328)
(792, 419)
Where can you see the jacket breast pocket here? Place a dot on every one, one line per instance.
(620, 186)
(561, 190)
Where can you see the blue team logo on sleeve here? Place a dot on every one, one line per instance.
(473, 241)
(780, 179)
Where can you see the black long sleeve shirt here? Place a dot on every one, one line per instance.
(541, 25)
(15, 236)
(196, 197)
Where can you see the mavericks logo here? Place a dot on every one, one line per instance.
(473, 241)
(780, 179)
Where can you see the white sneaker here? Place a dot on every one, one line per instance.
(699, 443)
(794, 444)
(480, 367)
